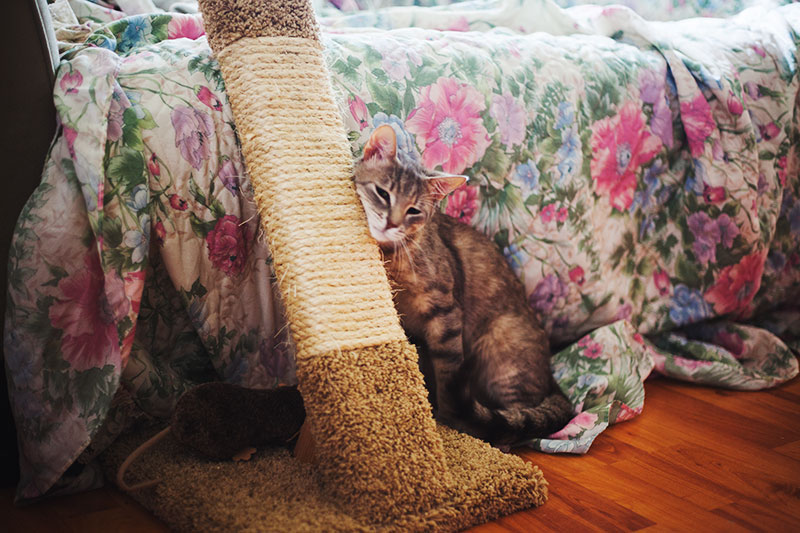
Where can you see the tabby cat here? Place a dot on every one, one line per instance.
(483, 352)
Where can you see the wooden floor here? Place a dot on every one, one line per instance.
(697, 459)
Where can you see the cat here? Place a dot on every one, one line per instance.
(483, 353)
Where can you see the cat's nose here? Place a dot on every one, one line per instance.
(389, 225)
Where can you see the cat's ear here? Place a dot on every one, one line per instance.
(382, 144)
(440, 185)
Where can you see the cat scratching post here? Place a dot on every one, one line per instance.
(377, 447)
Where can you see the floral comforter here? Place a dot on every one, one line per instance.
(640, 177)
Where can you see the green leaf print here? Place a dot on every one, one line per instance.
(200, 227)
(425, 76)
(112, 232)
(347, 71)
(386, 97)
(158, 26)
(131, 134)
(92, 387)
(687, 272)
(126, 170)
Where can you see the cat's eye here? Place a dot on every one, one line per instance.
(382, 193)
(413, 211)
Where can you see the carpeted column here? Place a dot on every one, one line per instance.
(378, 448)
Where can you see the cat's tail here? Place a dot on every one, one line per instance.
(510, 425)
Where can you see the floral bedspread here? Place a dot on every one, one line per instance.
(640, 177)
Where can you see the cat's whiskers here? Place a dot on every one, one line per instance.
(410, 259)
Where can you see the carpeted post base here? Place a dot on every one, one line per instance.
(275, 492)
(377, 438)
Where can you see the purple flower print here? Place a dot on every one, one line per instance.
(706, 236)
(229, 175)
(708, 233)
(274, 355)
(624, 312)
(510, 117)
(730, 341)
(794, 218)
(762, 184)
(514, 256)
(397, 60)
(752, 90)
(569, 156)
(547, 293)
(193, 128)
(138, 240)
(776, 260)
(661, 122)
(651, 85)
(728, 230)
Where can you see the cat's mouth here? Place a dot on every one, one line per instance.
(388, 239)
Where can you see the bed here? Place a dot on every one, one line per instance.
(640, 176)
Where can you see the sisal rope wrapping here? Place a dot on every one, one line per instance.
(330, 273)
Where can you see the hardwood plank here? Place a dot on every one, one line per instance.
(563, 463)
(37, 518)
(124, 520)
(755, 517)
(745, 477)
(674, 479)
(715, 425)
(791, 449)
(571, 507)
(651, 501)
(648, 432)
(98, 511)
(789, 391)
(754, 405)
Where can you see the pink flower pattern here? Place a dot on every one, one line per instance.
(86, 317)
(359, 111)
(737, 284)
(228, 244)
(576, 275)
(462, 204)
(661, 281)
(448, 125)
(547, 213)
(185, 26)
(620, 145)
(205, 95)
(582, 421)
(71, 81)
(698, 122)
